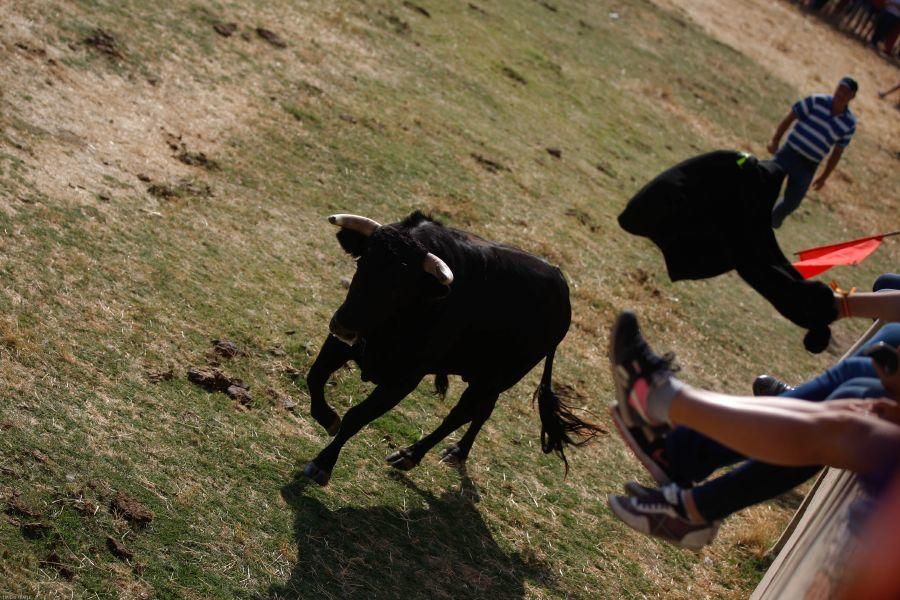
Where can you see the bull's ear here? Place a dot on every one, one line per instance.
(353, 242)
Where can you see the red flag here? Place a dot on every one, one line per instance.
(818, 260)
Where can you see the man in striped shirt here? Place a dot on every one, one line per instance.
(822, 122)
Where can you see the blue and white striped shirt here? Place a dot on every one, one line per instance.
(817, 130)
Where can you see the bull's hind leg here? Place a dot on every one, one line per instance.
(456, 454)
(382, 399)
(466, 409)
(333, 355)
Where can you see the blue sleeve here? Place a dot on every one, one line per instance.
(802, 107)
(844, 140)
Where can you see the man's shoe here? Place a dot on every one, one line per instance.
(655, 512)
(647, 445)
(766, 385)
(635, 369)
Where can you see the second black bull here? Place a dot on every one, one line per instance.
(430, 299)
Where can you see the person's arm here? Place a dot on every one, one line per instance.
(890, 91)
(833, 160)
(779, 131)
(883, 305)
(783, 431)
(776, 430)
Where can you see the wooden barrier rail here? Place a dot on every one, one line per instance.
(816, 544)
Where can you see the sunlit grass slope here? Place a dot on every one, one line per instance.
(165, 173)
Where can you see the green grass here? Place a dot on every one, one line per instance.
(360, 113)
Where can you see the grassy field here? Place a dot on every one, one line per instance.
(165, 173)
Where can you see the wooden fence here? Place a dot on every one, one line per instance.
(859, 19)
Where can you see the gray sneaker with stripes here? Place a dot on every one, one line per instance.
(656, 512)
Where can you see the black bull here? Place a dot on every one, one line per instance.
(430, 299)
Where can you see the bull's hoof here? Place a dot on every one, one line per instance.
(335, 426)
(453, 455)
(318, 475)
(402, 459)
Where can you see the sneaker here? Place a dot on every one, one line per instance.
(639, 491)
(766, 385)
(635, 369)
(656, 513)
(648, 446)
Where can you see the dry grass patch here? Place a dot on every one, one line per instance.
(111, 292)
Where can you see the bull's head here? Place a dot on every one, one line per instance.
(393, 272)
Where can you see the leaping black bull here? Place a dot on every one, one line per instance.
(430, 299)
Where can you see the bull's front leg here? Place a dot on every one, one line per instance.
(333, 355)
(382, 399)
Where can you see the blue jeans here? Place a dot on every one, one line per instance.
(694, 457)
(800, 171)
(855, 367)
(888, 281)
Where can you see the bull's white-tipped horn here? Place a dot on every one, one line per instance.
(434, 265)
(363, 225)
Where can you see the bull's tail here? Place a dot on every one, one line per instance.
(558, 423)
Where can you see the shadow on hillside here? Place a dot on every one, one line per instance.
(439, 547)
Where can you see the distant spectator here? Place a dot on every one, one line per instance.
(823, 122)
(886, 22)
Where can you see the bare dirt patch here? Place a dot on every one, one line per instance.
(104, 42)
(78, 153)
(131, 509)
(15, 506)
(271, 37)
(212, 379)
(415, 7)
(86, 130)
(225, 29)
(489, 164)
(118, 549)
(53, 561)
(226, 348)
(182, 188)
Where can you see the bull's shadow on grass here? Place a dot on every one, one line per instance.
(439, 547)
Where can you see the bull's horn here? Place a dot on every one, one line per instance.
(434, 265)
(363, 225)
